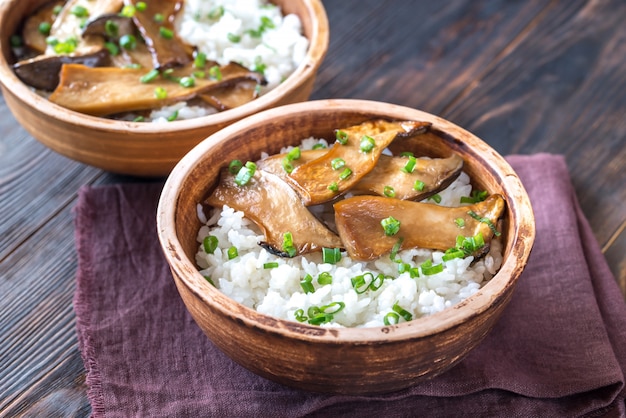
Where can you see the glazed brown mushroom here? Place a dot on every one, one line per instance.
(229, 97)
(346, 163)
(109, 90)
(433, 174)
(32, 36)
(422, 225)
(159, 34)
(274, 206)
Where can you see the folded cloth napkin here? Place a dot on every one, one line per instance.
(558, 350)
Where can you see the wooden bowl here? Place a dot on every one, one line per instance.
(346, 360)
(143, 149)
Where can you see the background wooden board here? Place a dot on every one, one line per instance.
(527, 77)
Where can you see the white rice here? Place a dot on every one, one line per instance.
(278, 292)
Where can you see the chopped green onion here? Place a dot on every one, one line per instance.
(266, 22)
(436, 198)
(320, 319)
(270, 265)
(288, 246)
(360, 283)
(460, 222)
(158, 18)
(333, 186)
(234, 38)
(133, 65)
(128, 42)
(259, 66)
(199, 60)
(485, 221)
(187, 82)
(198, 74)
(331, 255)
(407, 154)
(216, 13)
(208, 279)
(367, 143)
(390, 225)
(235, 166)
(345, 173)
(44, 28)
(160, 93)
(319, 146)
(245, 174)
(389, 191)
(410, 165)
(111, 28)
(428, 269)
(377, 282)
(215, 73)
(173, 116)
(418, 185)
(294, 154)
(477, 196)
(166, 33)
(333, 307)
(128, 11)
(209, 243)
(337, 163)
(57, 9)
(287, 166)
(402, 312)
(452, 253)
(325, 278)
(141, 6)
(470, 244)
(306, 284)
(112, 48)
(300, 316)
(232, 252)
(341, 136)
(79, 11)
(139, 119)
(395, 249)
(391, 318)
(149, 76)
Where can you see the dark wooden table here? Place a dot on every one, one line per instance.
(526, 76)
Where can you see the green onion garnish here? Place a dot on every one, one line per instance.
(141, 6)
(149, 76)
(436, 198)
(428, 269)
(407, 154)
(139, 119)
(333, 186)
(477, 196)
(173, 116)
(112, 48)
(187, 82)
(319, 146)
(208, 279)
(325, 278)
(79, 11)
(362, 282)
(452, 253)
(389, 191)
(418, 185)
(485, 221)
(57, 9)
(209, 243)
(128, 11)
(345, 173)
(331, 255)
(234, 166)
(158, 18)
(128, 42)
(341, 136)
(377, 282)
(215, 73)
(410, 165)
(216, 13)
(321, 318)
(160, 93)
(294, 154)
(460, 222)
(391, 318)
(245, 174)
(234, 38)
(270, 265)
(390, 225)
(367, 143)
(402, 312)
(166, 33)
(232, 252)
(111, 28)
(288, 246)
(337, 163)
(287, 166)
(199, 60)
(300, 316)
(44, 28)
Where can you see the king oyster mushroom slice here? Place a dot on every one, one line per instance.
(167, 49)
(422, 225)
(320, 181)
(435, 173)
(108, 90)
(32, 36)
(274, 206)
(42, 71)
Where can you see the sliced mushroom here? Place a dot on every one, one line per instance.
(427, 177)
(434, 174)
(42, 71)
(110, 26)
(320, 180)
(423, 225)
(159, 34)
(274, 206)
(109, 90)
(32, 36)
(229, 97)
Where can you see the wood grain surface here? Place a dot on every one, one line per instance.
(527, 77)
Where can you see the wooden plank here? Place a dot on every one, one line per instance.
(421, 56)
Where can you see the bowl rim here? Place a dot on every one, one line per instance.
(318, 47)
(488, 295)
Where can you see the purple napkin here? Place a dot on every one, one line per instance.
(558, 350)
